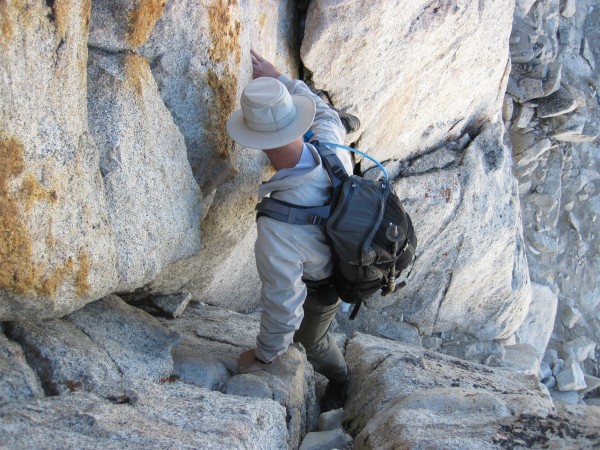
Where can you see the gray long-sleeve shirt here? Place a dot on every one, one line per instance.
(286, 253)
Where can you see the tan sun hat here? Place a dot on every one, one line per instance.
(270, 117)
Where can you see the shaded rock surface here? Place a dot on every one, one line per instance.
(149, 415)
(18, 381)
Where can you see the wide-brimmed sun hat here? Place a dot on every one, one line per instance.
(270, 117)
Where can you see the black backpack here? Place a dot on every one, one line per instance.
(371, 235)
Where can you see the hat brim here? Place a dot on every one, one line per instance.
(263, 140)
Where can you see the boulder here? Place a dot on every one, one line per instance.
(171, 305)
(410, 69)
(534, 153)
(571, 378)
(324, 440)
(580, 348)
(212, 336)
(524, 116)
(466, 277)
(154, 220)
(537, 327)
(18, 381)
(63, 356)
(559, 103)
(57, 249)
(330, 420)
(193, 367)
(137, 343)
(522, 358)
(248, 385)
(400, 331)
(172, 415)
(381, 370)
(404, 397)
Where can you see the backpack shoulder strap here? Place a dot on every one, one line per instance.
(294, 214)
(307, 215)
(335, 169)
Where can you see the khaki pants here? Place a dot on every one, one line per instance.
(321, 304)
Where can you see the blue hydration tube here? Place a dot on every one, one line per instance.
(309, 134)
(369, 157)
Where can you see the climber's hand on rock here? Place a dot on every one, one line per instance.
(261, 67)
(247, 362)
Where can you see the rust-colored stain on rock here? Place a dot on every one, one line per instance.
(32, 190)
(224, 52)
(142, 20)
(62, 11)
(6, 26)
(136, 72)
(18, 271)
(225, 88)
(224, 31)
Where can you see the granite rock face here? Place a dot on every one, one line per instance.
(152, 198)
(470, 272)
(397, 63)
(57, 249)
(88, 199)
(200, 57)
(144, 417)
(111, 375)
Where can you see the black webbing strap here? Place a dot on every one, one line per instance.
(355, 309)
(297, 215)
(307, 215)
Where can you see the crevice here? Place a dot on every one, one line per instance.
(220, 341)
(380, 362)
(109, 52)
(449, 282)
(52, 14)
(98, 346)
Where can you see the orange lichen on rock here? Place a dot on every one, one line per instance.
(32, 190)
(6, 26)
(224, 31)
(136, 72)
(83, 271)
(225, 88)
(142, 20)
(18, 270)
(62, 11)
(225, 51)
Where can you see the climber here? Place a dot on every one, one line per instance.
(293, 261)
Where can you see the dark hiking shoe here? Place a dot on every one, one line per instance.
(350, 122)
(335, 395)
